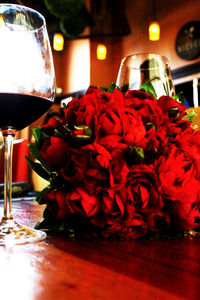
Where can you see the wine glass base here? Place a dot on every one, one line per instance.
(12, 233)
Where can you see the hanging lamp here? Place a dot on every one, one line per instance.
(101, 51)
(58, 42)
(154, 27)
(101, 47)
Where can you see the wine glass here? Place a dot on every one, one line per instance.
(27, 90)
(138, 69)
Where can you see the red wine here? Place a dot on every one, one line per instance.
(18, 110)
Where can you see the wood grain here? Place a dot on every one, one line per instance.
(59, 268)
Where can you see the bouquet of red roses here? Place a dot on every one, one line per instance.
(119, 165)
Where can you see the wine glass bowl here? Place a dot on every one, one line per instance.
(27, 90)
(26, 67)
(137, 69)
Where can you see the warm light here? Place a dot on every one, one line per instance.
(1, 21)
(154, 31)
(101, 52)
(58, 42)
(58, 90)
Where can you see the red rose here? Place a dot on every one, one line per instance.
(98, 168)
(144, 104)
(115, 220)
(55, 201)
(185, 216)
(68, 170)
(147, 108)
(120, 127)
(189, 142)
(139, 94)
(82, 111)
(174, 129)
(130, 163)
(134, 129)
(53, 122)
(156, 139)
(109, 121)
(131, 227)
(91, 165)
(176, 173)
(55, 152)
(180, 188)
(118, 168)
(122, 124)
(112, 208)
(111, 142)
(143, 189)
(173, 108)
(92, 90)
(157, 221)
(80, 203)
(115, 98)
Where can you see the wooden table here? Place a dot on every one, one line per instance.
(60, 269)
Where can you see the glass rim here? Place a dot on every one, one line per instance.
(148, 55)
(23, 7)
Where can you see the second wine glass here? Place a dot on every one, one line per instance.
(137, 69)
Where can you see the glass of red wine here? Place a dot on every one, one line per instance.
(27, 90)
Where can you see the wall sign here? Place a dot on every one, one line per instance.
(188, 41)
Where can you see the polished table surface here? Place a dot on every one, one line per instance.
(59, 268)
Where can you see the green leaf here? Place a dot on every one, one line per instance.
(83, 137)
(40, 196)
(73, 226)
(112, 87)
(103, 90)
(147, 87)
(191, 115)
(179, 97)
(35, 152)
(87, 131)
(37, 167)
(50, 223)
(64, 106)
(37, 134)
(40, 134)
(134, 155)
(140, 152)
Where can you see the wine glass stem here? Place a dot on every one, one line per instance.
(9, 136)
